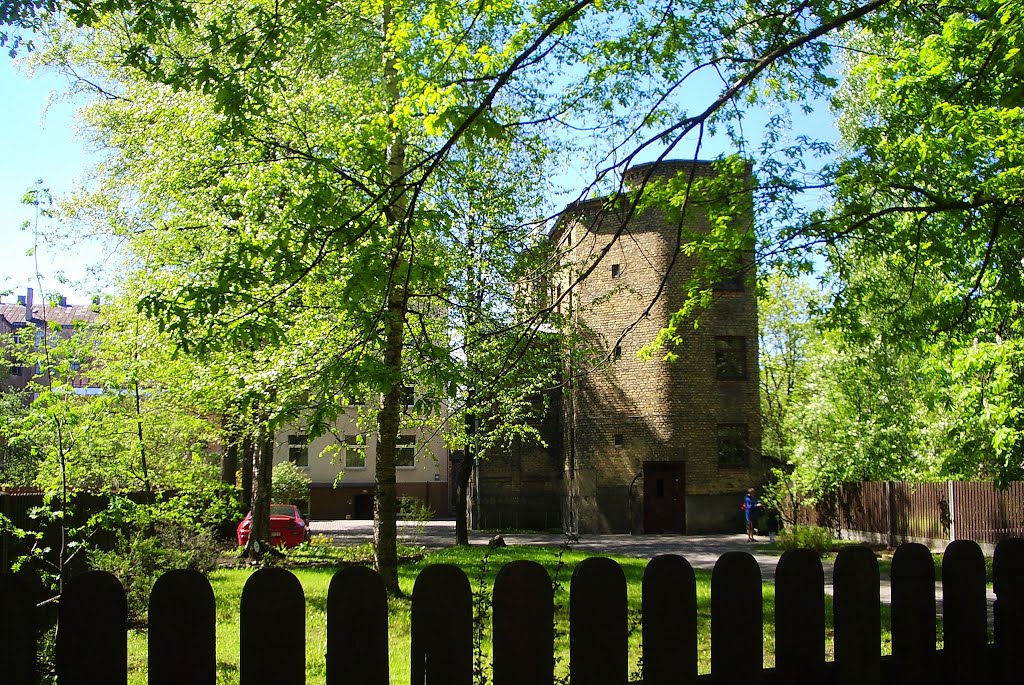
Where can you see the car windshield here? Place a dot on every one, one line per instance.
(282, 510)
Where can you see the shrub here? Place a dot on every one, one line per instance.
(290, 484)
(806, 537)
(140, 557)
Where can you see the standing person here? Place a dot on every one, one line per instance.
(750, 507)
(773, 525)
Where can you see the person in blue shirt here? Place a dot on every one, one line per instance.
(750, 507)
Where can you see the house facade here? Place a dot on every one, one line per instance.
(341, 465)
(636, 445)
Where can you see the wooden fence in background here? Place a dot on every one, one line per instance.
(926, 511)
(91, 646)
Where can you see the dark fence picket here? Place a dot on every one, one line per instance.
(737, 635)
(357, 628)
(92, 643)
(800, 618)
(913, 615)
(669, 624)
(182, 630)
(523, 615)
(17, 631)
(597, 624)
(964, 613)
(442, 627)
(272, 629)
(856, 617)
(1008, 584)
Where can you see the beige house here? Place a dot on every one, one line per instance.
(342, 464)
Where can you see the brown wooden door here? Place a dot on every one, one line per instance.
(664, 497)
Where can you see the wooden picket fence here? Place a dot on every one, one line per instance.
(91, 647)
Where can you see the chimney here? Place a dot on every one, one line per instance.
(62, 301)
(28, 297)
(21, 300)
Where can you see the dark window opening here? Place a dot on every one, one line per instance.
(733, 445)
(617, 352)
(616, 270)
(620, 439)
(730, 358)
(298, 450)
(355, 452)
(405, 452)
(408, 395)
(732, 277)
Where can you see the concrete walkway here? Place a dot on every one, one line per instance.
(702, 551)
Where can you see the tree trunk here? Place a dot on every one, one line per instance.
(229, 459)
(248, 464)
(385, 510)
(462, 478)
(259, 529)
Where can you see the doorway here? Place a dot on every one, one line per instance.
(664, 497)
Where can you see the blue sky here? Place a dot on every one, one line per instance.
(39, 143)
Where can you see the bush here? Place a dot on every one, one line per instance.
(806, 537)
(290, 484)
(139, 558)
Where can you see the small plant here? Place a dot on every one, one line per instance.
(806, 537)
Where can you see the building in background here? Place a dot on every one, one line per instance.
(342, 466)
(638, 446)
(26, 320)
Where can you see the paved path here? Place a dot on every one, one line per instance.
(702, 551)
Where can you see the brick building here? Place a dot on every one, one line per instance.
(25, 320)
(638, 446)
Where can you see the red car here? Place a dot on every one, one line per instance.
(287, 527)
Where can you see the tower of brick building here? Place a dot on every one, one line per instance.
(637, 445)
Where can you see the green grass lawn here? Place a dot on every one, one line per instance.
(227, 586)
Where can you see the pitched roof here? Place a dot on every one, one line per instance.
(65, 315)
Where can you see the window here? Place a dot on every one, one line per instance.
(731, 278)
(733, 449)
(355, 452)
(617, 352)
(16, 370)
(408, 395)
(620, 439)
(616, 270)
(730, 358)
(405, 452)
(298, 450)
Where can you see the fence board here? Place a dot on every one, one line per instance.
(272, 629)
(1007, 576)
(92, 643)
(17, 631)
(182, 630)
(964, 612)
(523, 645)
(442, 627)
(913, 615)
(357, 628)
(669, 622)
(856, 617)
(737, 640)
(800, 618)
(597, 624)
